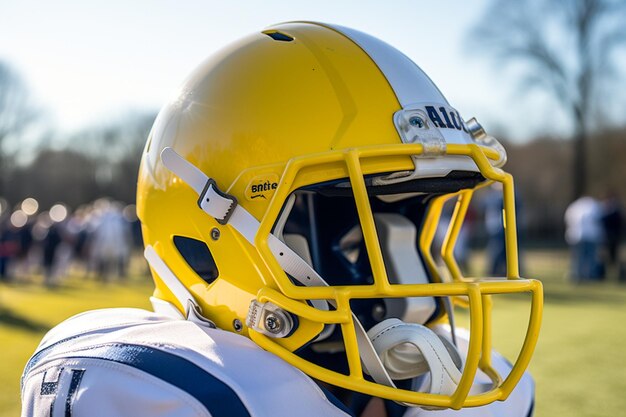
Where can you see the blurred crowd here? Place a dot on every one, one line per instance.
(594, 228)
(97, 239)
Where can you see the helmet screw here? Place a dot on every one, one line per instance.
(215, 233)
(273, 323)
(237, 325)
(416, 121)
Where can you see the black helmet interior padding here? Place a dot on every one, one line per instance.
(325, 213)
(451, 183)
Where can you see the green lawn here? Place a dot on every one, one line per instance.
(27, 311)
(579, 365)
(580, 362)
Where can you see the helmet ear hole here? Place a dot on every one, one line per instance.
(198, 256)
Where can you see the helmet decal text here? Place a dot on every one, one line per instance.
(445, 118)
(262, 187)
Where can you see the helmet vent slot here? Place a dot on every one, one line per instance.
(279, 36)
(198, 256)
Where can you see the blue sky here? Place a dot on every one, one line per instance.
(91, 61)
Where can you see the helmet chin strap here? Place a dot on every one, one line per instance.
(397, 350)
(408, 350)
(390, 350)
(193, 312)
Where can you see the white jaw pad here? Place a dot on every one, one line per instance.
(408, 350)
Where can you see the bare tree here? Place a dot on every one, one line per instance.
(568, 46)
(115, 150)
(56, 176)
(16, 113)
(100, 161)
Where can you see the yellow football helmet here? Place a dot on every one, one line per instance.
(290, 192)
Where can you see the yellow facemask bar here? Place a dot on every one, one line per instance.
(289, 297)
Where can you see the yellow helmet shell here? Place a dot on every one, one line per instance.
(252, 117)
(239, 117)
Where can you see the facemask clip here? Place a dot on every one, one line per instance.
(414, 127)
(482, 138)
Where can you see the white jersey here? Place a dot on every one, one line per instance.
(135, 363)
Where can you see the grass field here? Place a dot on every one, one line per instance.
(579, 365)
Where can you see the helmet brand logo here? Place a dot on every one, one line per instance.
(262, 187)
(445, 118)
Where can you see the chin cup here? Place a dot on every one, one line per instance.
(408, 350)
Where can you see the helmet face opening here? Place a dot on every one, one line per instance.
(331, 215)
(351, 249)
(321, 224)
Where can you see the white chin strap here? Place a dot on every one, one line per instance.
(408, 350)
(391, 349)
(192, 309)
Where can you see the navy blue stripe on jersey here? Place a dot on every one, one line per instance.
(214, 394)
(37, 357)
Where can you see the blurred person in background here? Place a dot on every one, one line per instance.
(78, 227)
(612, 223)
(18, 237)
(9, 248)
(65, 251)
(584, 233)
(55, 241)
(24, 219)
(39, 234)
(493, 207)
(50, 243)
(110, 240)
(11, 243)
(130, 215)
(25, 233)
(496, 254)
(462, 246)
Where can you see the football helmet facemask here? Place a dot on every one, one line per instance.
(290, 192)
